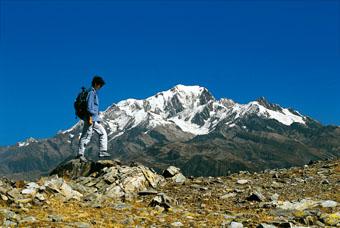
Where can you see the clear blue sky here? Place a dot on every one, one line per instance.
(287, 51)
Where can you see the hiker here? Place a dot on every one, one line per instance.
(92, 122)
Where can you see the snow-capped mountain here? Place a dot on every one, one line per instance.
(27, 142)
(188, 127)
(191, 108)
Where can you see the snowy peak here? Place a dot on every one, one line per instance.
(173, 106)
(27, 142)
(193, 109)
(195, 90)
(179, 98)
(274, 107)
(169, 103)
(273, 111)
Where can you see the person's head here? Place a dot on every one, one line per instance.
(97, 82)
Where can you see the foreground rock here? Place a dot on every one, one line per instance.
(109, 179)
(74, 168)
(174, 174)
(108, 193)
(92, 182)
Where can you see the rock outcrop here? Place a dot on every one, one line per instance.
(108, 178)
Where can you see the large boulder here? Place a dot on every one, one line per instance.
(74, 168)
(91, 182)
(108, 178)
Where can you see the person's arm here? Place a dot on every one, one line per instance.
(90, 106)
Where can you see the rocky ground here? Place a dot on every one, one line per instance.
(110, 194)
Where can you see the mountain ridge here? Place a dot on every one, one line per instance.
(188, 127)
(173, 105)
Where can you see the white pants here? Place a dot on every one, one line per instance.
(87, 135)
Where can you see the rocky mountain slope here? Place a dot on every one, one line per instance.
(111, 194)
(187, 127)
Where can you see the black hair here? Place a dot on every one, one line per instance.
(97, 80)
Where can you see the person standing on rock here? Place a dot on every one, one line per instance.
(92, 122)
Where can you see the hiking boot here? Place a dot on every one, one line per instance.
(82, 158)
(103, 154)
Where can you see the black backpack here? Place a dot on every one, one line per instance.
(80, 105)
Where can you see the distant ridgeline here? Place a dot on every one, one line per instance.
(188, 128)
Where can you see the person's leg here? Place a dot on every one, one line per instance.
(102, 139)
(85, 138)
